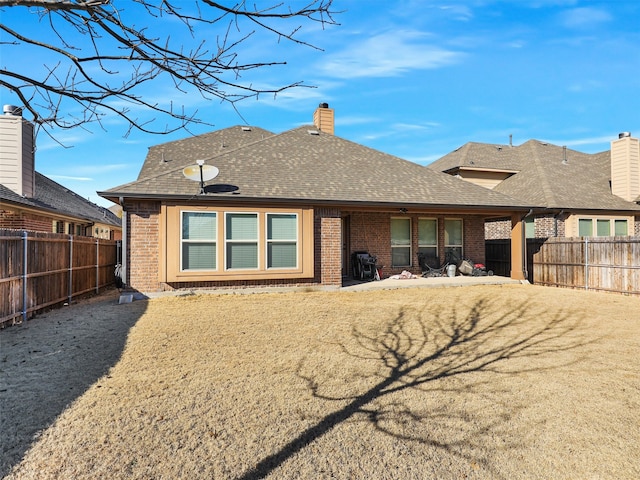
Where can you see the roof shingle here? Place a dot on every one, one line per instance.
(316, 167)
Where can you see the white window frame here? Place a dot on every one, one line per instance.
(227, 241)
(448, 245)
(424, 245)
(214, 241)
(268, 242)
(409, 245)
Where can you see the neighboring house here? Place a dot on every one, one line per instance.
(576, 194)
(31, 201)
(292, 208)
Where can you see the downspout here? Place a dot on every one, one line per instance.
(524, 247)
(123, 268)
(555, 222)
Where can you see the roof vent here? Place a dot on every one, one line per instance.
(313, 132)
(624, 134)
(246, 129)
(12, 110)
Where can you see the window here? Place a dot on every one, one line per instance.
(620, 228)
(453, 239)
(198, 241)
(400, 242)
(282, 240)
(232, 243)
(602, 227)
(585, 227)
(529, 227)
(428, 237)
(241, 240)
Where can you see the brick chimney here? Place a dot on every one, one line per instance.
(625, 167)
(323, 118)
(17, 162)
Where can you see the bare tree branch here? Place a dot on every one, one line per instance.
(103, 63)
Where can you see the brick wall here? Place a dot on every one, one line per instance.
(545, 226)
(328, 242)
(25, 221)
(143, 230)
(371, 232)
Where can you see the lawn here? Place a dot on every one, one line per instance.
(479, 382)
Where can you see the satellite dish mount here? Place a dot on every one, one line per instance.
(200, 173)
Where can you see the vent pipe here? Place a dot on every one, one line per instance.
(12, 110)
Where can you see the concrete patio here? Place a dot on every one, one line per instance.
(349, 284)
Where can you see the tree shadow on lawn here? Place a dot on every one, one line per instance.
(421, 352)
(51, 361)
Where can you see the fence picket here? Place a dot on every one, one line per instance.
(609, 264)
(38, 270)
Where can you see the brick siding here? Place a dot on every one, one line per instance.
(544, 227)
(328, 242)
(25, 221)
(143, 225)
(369, 231)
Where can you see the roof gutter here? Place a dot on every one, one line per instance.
(118, 197)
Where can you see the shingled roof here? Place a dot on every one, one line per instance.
(305, 165)
(546, 175)
(169, 156)
(54, 198)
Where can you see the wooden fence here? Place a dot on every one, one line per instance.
(609, 264)
(39, 270)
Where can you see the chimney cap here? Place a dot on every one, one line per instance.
(323, 105)
(12, 110)
(624, 134)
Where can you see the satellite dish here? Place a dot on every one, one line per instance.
(200, 173)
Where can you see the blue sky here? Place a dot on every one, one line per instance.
(416, 79)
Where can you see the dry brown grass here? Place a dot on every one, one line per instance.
(475, 382)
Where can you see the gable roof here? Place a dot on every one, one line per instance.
(543, 176)
(306, 165)
(53, 198)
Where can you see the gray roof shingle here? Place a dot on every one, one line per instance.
(543, 178)
(53, 197)
(315, 167)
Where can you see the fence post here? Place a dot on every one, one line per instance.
(586, 263)
(97, 266)
(70, 268)
(25, 256)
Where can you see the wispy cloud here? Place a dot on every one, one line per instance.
(585, 86)
(388, 55)
(458, 12)
(584, 17)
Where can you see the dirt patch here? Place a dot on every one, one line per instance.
(469, 382)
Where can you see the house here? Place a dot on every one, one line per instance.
(32, 201)
(291, 209)
(576, 194)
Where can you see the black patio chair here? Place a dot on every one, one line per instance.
(430, 265)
